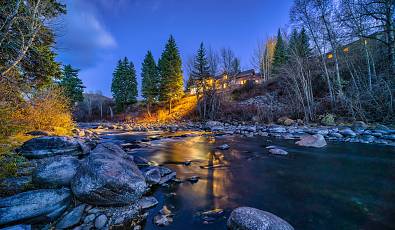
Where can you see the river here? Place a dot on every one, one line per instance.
(340, 186)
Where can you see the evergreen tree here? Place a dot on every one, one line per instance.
(150, 80)
(170, 67)
(72, 86)
(294, 43)
(124, 84)
(304, 47)
(201, 69)
(280, 54)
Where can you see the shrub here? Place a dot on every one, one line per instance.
(46, 110)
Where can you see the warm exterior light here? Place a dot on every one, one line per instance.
(330, 56)
(346, 50)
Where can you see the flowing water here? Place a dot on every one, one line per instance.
(341, 186)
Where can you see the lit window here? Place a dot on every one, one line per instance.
(225, 77)
(346, 50)
(330, 56)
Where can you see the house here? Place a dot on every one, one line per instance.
(225, 81)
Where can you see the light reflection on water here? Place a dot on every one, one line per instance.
(341, 186)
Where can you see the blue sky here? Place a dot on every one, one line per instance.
(95, 34)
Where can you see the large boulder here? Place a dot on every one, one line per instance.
(56, 172)
(359, 125)
(37, 206)
(48, 146)
(316, 140)
(108, 177)
(246, 218)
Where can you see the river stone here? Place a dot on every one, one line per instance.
(246, 218)
(48, 146)
(347, 132)
(100, 221)
(316, 140)
(152, 175)
(72, 218)
(147, 202)
(121, 215)
(56, 172)
(277, 151)
(108, 177)
(37, 206)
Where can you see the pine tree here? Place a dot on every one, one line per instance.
(280, 54)
(170, 67)
(72, 86)
(124, 84)
(304, 47)
(150, 80)
(201, 69)
(294, 43)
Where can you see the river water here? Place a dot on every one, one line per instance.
(341, 186)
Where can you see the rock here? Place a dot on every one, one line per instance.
(347, 132)
(100, 221)
(277, 151)
(162, 220)
(37, 133)
(359, 125)
(72, 218)
(89, 218)
(277, 129)
(213, 123)
(316, 140)
(152, 175)
(122, 215)
(246, 218)
(167, 178)
(18, 227)
(56, 172)
(14, 185)
(37, 206)
(223, 147)
(42, 147)
(164, 171)
(281, 120)
(381, 127)
(164, 217)
(108, 177)
(147, 202)
(193, 179)
(140, 160)
(289, 122)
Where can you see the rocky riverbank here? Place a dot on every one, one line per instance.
(358, 132)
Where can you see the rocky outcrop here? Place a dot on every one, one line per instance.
(56, 172)
(37, 206)
(48, 146)
(246, 218)
(316, 140)
(108, 177)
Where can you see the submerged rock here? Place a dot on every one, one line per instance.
(347, 132)
(277, 151)
(246, 218)
(48, 146)
(37, 206)
(316, 140)
(164, 218)
(223, 147)
(108, 177)
(72, 218)
(56, 172)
